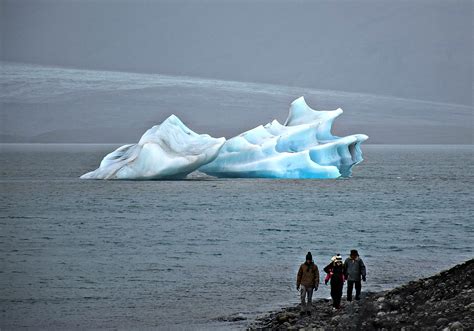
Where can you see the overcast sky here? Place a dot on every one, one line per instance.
(410, 49)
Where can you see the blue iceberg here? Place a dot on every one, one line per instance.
(166, 151)
(301, 148)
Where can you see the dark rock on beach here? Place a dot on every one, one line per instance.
(441, 302)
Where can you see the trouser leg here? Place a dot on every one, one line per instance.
(336, 294)
(350, 286)
(358, 287)
(309, 293)
(337, 302)
(303, 297)
(333, 295)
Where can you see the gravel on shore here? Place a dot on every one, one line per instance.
(441, 302)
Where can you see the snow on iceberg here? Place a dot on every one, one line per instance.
(166, 151)
(301, 148)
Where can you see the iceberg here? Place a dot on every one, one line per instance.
(166, 151)
(301, 148)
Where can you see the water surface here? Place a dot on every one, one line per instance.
(174, 254)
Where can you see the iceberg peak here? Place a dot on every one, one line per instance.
(167, 151)
(301, 148)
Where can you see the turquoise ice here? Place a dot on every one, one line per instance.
(301, 148)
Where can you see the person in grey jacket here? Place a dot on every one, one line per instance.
(354, 271)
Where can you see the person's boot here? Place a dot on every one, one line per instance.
(303, 310)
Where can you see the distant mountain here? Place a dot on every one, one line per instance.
(10, 138)
(98, 135)
(49, 104)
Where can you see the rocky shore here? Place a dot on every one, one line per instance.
(441, 302)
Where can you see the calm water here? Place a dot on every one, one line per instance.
(175, 254)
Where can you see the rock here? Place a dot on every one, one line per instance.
(335, 319)
(395, 304)
(428, 282)
(284, 317)
(383, 306)
(442, 321)
(232, 318)
(456, 326)
(376, 323)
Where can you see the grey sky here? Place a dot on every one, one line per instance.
(411, 49)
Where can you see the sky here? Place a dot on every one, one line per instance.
(418, 49)
(413, 50)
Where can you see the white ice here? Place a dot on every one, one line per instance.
(301, 148)
(166, 151)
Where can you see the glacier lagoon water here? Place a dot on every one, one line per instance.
(177, 254)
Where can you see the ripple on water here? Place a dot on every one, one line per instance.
(231, 250)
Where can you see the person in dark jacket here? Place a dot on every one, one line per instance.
(307, 280)
(335, 273)
(354, 271)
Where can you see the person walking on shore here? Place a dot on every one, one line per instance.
(307, 280)
(335, 273)
(354, 271)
